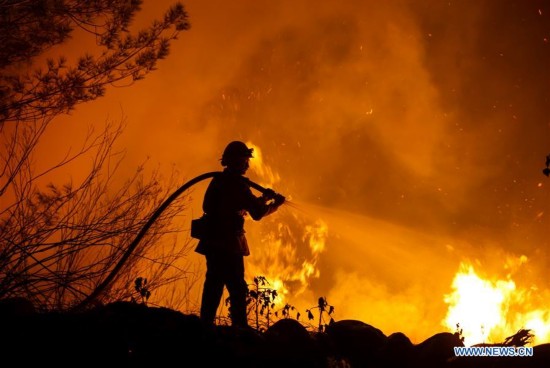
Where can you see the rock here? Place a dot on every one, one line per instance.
(290, 344)
(398, 351)
(437, 350)
(356, 342)
(15, 307)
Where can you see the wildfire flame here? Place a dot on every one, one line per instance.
(286, 247)
(265, 173)
(489, 311)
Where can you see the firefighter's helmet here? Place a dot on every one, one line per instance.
(236, 149)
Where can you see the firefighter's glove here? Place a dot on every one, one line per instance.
(269, 194)
(278, 200)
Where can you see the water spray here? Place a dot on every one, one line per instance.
(268, 193)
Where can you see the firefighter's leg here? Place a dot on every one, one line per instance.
(212, 290)
(238, 290)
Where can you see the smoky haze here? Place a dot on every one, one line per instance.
(416, 130)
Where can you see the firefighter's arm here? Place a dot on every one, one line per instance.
(264, 206)
(278, 200)
(274, 203)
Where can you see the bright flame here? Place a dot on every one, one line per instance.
(538, 321)
(286, 259)
(316, 235)
(268, 177)
(476, 304)
(486, 311)
(287, 245)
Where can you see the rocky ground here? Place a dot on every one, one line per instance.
(130, 334)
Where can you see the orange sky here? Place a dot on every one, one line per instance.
(417, 131)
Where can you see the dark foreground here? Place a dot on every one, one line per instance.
(129, 334)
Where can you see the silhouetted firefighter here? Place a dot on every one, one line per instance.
(227, 200)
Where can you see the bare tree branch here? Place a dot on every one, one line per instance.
(58, 88)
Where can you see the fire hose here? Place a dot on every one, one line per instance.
(133, 245)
